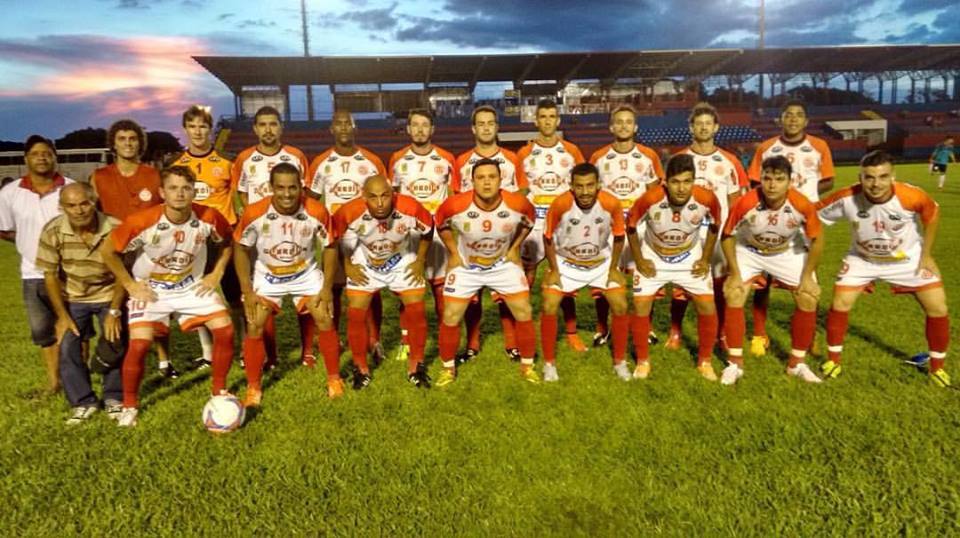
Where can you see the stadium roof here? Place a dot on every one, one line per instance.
(239, 71)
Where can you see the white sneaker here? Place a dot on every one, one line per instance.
(128, 417)
(81, 414)
(804, 372)
(550, 372)
(623, 371)
(113, 408)
(731, 374)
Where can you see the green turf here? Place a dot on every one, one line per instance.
(871, 453)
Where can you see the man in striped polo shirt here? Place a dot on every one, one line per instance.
(68, 245)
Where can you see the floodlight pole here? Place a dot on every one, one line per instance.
(306, 54)
(760, 46)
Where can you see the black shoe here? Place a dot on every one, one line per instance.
(419, 379)
(467, 355)
(169, 372)
(201, 363)
(360, 380)
(652, 338)
(601, 339)
(513, 354)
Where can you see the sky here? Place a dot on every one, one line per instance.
(86, 63)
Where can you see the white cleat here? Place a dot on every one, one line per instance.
(804, 372)
(128, 417)
(731, 374)
(550, 372)
(623, 371)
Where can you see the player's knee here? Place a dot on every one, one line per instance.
(618, 305)
(551, 301)
(735, 298)
(521, 311)
(842, 303)
(806, 302)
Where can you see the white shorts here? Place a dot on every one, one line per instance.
(531, 250)
(679, 274)
(785, 267)
(193, 310)
(573, 278)
(392, 276)
(856, 273)
(435, 268)
(300, 287)
(505, 278)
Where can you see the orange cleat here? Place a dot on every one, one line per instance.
(573, 340)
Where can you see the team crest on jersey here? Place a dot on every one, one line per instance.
(364, 171)
(718, 170)
(176, 261)
(473, 214)
(256, 159)
(163, 226)
(792, 223)
(696, 220)
(507, 228)
(286, 252)
(503, 214)
(307, 232)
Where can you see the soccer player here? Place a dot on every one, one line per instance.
(251, 174)
(767, 232)
(485, 126)
(546, 162)
(26, 205)
(214, 189)
(283, 231)
(813, 172)
(490, 225)
(721, 173)
(888, 243)
(671, 251)
(127, 185)
(170, 242)
(68, 246)
(577, 239)
(941, 156)
(627, 169)
(388, 236)
(337, 176)
(424, 172)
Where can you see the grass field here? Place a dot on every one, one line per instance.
(871, 453)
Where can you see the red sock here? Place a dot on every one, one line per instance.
(509, 326)
(448, 342)
(270, 339)
(707, 335)
(678, 309)
(735, 327)
(548, 337)
(222, 357)
(621, 332)
(438, 301)
(357, 337)
(603, 312)
(569, 307)
(761, 301)
(803, 324)
(641, 329)
(472, 318)
(132, 371)
(375, 319)
(526, 339)
(308, 329)
(416, 321)
(253, 357)
(329, 344)
(837, 323)
(938, 339)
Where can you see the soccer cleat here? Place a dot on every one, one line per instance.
(706, 371)
(601, 339)
(201, 363)
(169, 372)
(447, 376)
(830, 369)
(674, 341)
(652, 338)
(81, 414)
(377, 355)
(401, 352)
(467, 355)
(113, 409)
(513, 354)
(550, 372)
(622, 371)
(309, 361)
(758, 345)
(731, 374)
(527, 373)
(252, 398)
(804, 372)
(361, 380)
(573, 340)
(940, 378)
(128, 417)
(642, 371)
(419, 379)
(334, 388)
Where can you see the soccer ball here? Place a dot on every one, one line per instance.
(222, 414)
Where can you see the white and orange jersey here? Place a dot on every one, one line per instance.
(424, 177)
(582, 236)
(285, 244)
(547, 171)
(382, 243)
(171, 256)
(339, 178)
(769, 231)
(627, 175)
(483, 237)
(721, 173)
(509, 164)
(673, 232)
(810, 158)
(887, 232)
(251, 170)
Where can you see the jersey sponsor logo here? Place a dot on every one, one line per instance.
(776, 149)
(345, 189)
(503, 214)
(176, 261)
(331, 158)
(549, 181)
(717, 158)
(769, 240)
(285, 158)
(163, 226)
(408, 158)
(535, 152)
(381, 248)
(422, 188)
(256, 159)
(623, 186)
(574, 221)
(672, 237)
(692, 207)
(487, 246)
(272, 216)
(881, 246)
(806, 149)
(598, 220)
(358, 157)
(611, 156)
(636, 155)
(286, 252)
(863, 214)
(473, 215)
(584, 251)
(194, 223)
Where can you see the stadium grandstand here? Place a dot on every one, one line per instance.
(914, 102)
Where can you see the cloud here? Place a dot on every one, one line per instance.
(256, 23)
(376, 19)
